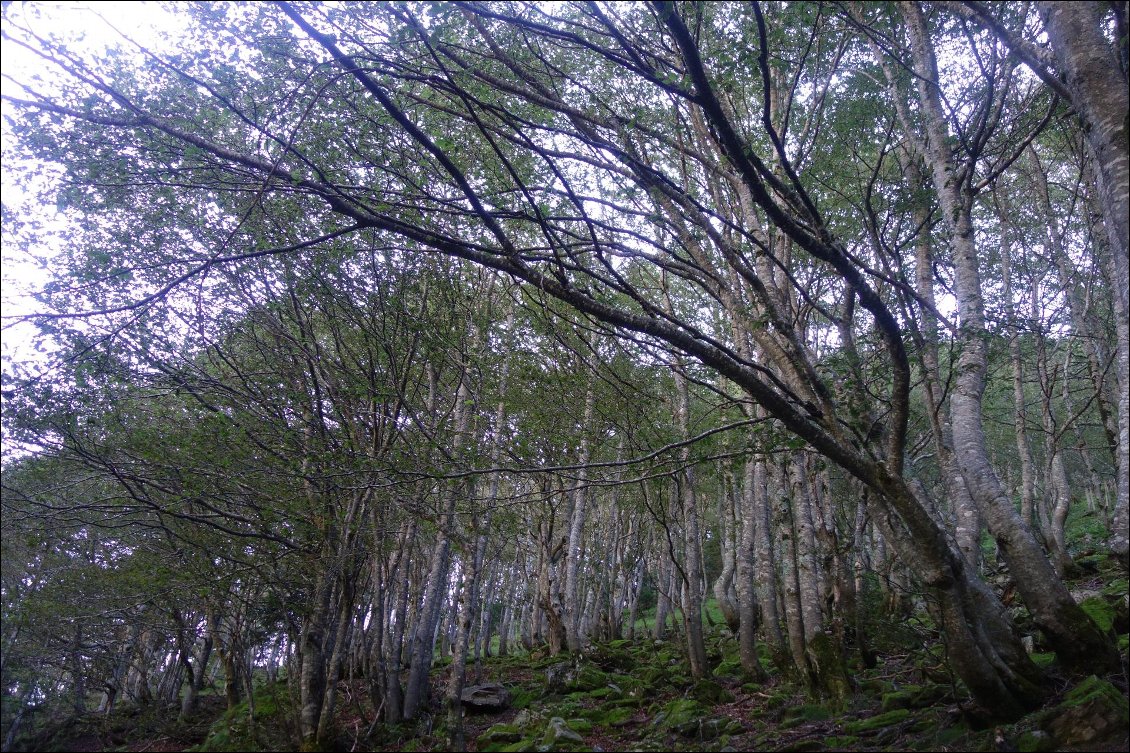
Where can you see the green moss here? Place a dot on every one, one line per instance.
(947, 736)
(521, 698)
(876, 723)
(876, 686)
(580, 726)
(1035, 741)
(1117, 588)
(610, 717)
(499, 733)
(809, 712)
(711, 693)
(1043, 660)
(914, 697)
(779, 698)
(654, 676)
(841, 741)
(900, 699)
(1094, 689)
(682, 716)
(1100, 611)
(729, 668)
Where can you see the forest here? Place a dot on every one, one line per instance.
(567, 376)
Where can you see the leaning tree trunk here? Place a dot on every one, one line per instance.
(1073, 634)
(1097, 83)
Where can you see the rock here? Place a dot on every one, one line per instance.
(559, 676)
(711, 693)
(573, 676)
(558, 736)
(914, 697)
(526, 717)
(807, 712)
(682, 717)
(688, 718)
(500, 733)
(615, 656)
(617, 717)
(1036, 741)
(1094, 714)
(873, 725)
(489, 697)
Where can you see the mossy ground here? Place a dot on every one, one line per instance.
(639, 695)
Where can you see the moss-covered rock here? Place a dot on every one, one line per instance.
(876, 686)
(841, 741)
(572, 676)
(779, 698)
(807, 712)
(614, 657)
(618, 717)
(1035, 741)
(500, 733)
(558, 735)
(580, 726)
(731, 668)
(1100, 610)
(875, 724)
(654, 677)
(914, 697)
(710, 693)
(1093, 714)
(688, 718)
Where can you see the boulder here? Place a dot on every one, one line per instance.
(558, 736)
(489, 697)
(1093, 715)
(573, 676)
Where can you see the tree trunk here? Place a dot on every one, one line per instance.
(692, 540)
(1073, 634)
(725, 591)
(579, 494)
(765, 564)
(1020, 411)
(1098, 86)
(749, 610)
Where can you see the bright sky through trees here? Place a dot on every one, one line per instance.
(86, 30)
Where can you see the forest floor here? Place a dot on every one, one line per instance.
(638, 695)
